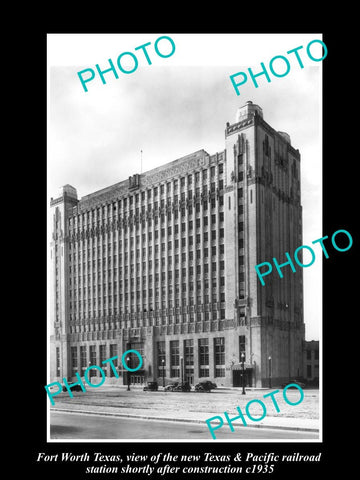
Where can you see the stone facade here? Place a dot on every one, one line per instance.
(311, 362)
(164, 263)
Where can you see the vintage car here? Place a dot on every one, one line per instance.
(171, 386)
(182, 387)
(205, 386)
(151, 386)
(301, 384)
(75, 388)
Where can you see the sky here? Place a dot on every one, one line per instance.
(177, 105)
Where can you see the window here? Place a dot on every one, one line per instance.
(219, 354)
(189, 358)
(219, 350)
(203, 357)
(161, 359)
(113, 353)
(174, 358)
(242, 352)
(74, 360)
(83, 359)
(103, 355)
(92, 359)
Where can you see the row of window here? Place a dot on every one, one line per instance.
(150, 317)
(312, 354)
(200, 293)
(182, 360)
(205, 251)
(187, 362)
(160, 215)
(171, 188)
(150, 293)
(82, 357)
(162, 309)
(145, 251)
(109, 286)
(147, 239)
(148, 266)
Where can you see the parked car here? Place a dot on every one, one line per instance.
(75, 388)
(171, 386)
(182, 387)
(151, 386)
(205, 386)
(301, 384)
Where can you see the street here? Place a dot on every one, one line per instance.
(65, 425)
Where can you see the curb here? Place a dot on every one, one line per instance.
(186, 420)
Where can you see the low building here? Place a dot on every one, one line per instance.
(311, 362)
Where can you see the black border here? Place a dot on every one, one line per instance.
(339, 212)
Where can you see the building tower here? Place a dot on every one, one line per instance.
(164, 263)
(264, 220)
(61, 208)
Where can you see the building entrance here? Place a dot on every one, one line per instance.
(136, 378)
(237, 377)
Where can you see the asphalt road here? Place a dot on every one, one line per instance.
(83, 426)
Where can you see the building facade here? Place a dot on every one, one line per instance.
(163, 263)
(311, 362)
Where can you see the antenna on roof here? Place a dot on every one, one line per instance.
(140, 161)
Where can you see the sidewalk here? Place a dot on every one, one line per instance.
(196, 407)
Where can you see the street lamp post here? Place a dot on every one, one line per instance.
(269, 371)
(254, 373)
(163, 372)
(128, 372)
(243, 373)
(181, 369)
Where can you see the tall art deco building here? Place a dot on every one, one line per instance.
(163, 263)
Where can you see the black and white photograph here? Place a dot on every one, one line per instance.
(185, 239)
(198, 242)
